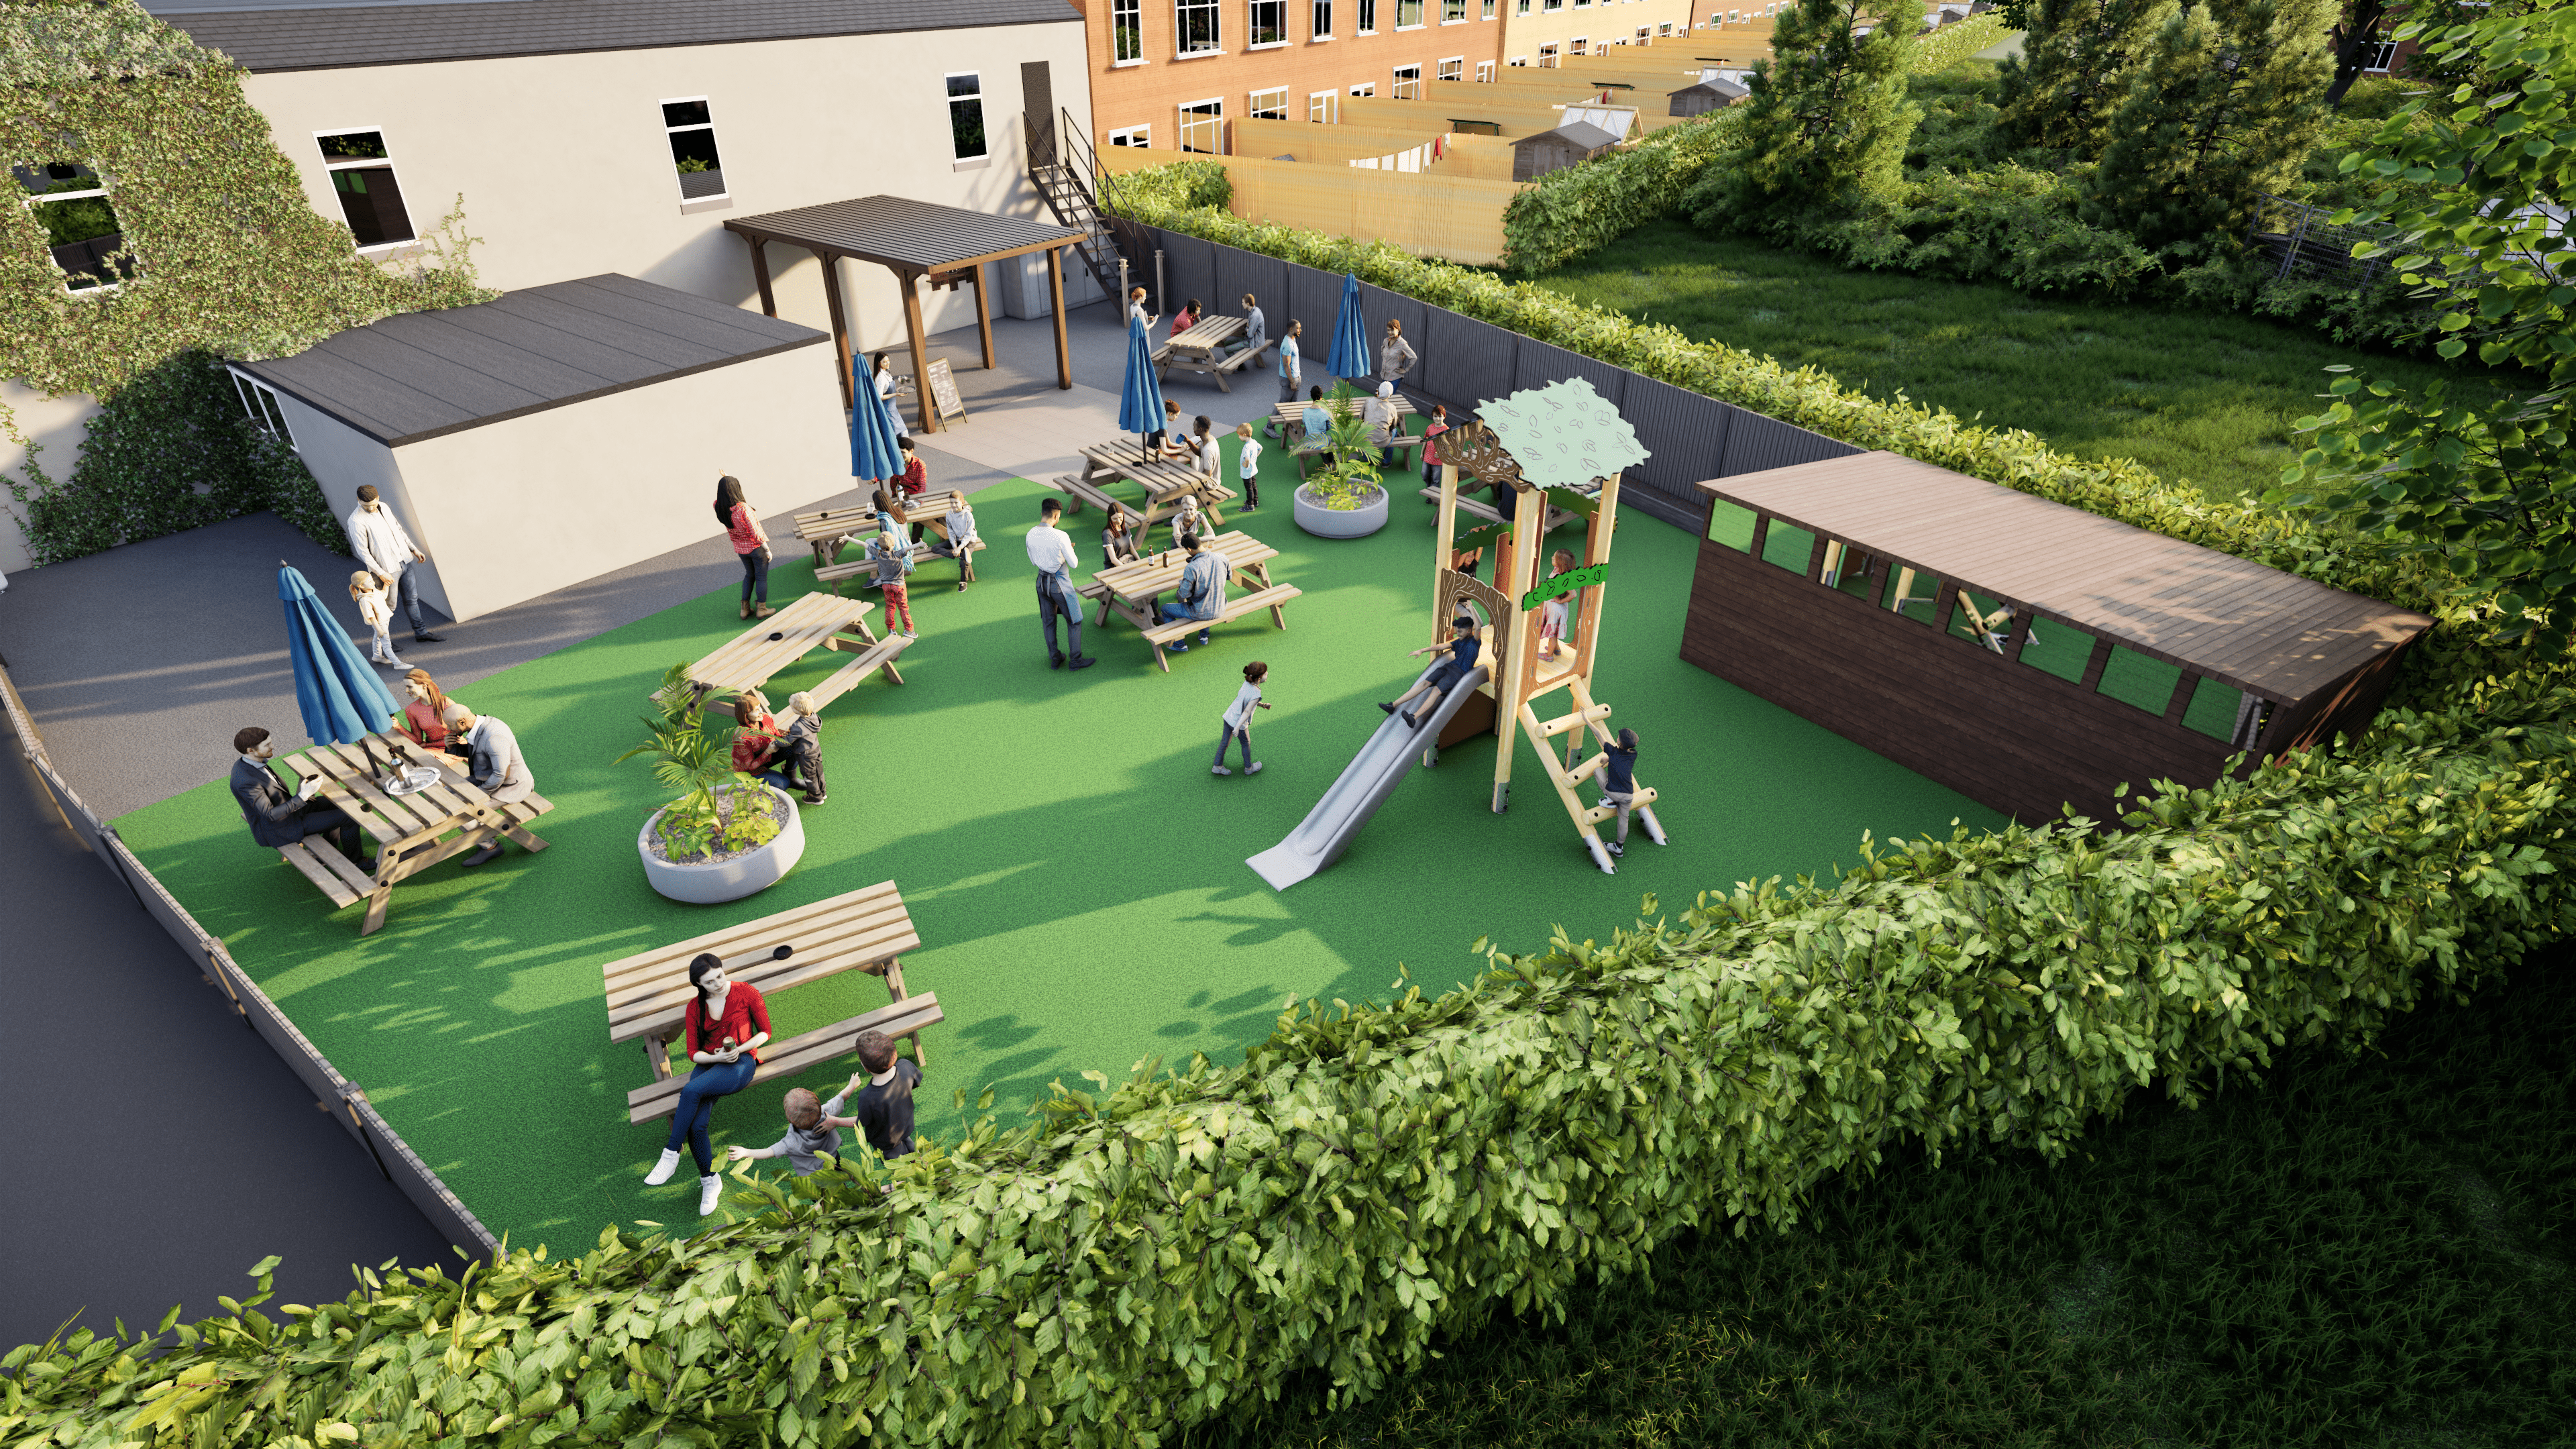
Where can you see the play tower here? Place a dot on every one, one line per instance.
(1561, 450)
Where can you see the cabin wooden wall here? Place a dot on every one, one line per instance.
(2003, 733)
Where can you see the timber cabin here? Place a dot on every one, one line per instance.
(2027, 654)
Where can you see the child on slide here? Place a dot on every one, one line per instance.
(1463, 647)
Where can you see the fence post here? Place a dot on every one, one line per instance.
(1162, 296)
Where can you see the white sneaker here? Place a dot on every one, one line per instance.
(663, 1169)
(710, 1188)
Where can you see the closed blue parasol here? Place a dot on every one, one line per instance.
(342, 699)
(874, 454)
(1140, 397)
(1350, 354)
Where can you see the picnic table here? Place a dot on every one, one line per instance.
(816, 621)
(1247, 563)
(1201, 349)
(864, 930)
(834, 527)
(1306, 450)
(1165, 481)
(412, 832)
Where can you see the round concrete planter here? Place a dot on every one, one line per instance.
(1324, 522)
(714, 882)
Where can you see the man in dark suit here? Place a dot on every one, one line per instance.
(279, 816)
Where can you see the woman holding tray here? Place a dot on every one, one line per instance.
(726, 1025)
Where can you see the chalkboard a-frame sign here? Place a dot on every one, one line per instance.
(943, 390)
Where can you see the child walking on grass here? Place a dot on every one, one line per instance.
(1238, 719)
(377, 608)
(892, 559)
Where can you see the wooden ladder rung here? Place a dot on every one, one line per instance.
(1577, 720)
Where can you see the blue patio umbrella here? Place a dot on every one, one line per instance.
(1140, 397)
(874, 453)
(342, 699)
(1350, 354)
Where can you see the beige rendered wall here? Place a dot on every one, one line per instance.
(520, 508)
(1603, 24)
(565, 166)
(341, 459)
(56, 426)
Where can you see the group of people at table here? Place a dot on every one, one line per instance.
(477, 746)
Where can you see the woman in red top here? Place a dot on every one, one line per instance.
(726, 1025)
(425, 718)
(750, 543)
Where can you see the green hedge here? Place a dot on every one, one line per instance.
(1161, 1251)
(1950, 45)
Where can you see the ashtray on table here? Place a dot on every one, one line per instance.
(410, 781)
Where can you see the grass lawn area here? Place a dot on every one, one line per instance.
(2367, 1252)
(1076, 873)
(2203, 396)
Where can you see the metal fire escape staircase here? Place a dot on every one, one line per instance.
(1062, 165)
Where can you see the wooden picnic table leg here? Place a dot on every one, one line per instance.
(657, 1055)
(897, 991)
(378, 901)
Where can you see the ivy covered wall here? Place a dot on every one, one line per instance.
(220, 256)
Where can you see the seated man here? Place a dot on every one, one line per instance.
(277, 816)
(492, 762)
(1317, 420)
(1201, 592)
(1463, 647)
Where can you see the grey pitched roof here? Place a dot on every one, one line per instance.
(298, 37)
(1582, 133)
(426, 374)
(1717, 87)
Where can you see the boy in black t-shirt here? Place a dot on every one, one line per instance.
(1463, 647)
(884, 1107)
(1619, 783)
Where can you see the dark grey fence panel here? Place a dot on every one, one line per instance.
(1755, 442)
(1314, 298)
(396, 1160)
(1469, 362)
(1239, 271)
(1380, 307)
(1683, 431)
(1189, 267)
(1542, 363)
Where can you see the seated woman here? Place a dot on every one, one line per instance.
(725, 1027)
(424, 719)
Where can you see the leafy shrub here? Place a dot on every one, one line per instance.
(1178, 186)
(1575, 211)
(1957, 41)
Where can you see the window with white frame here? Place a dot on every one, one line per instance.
(1575, 45)
(1270, 105)
(1408, 14)
(966, 114)
(261, 403)
(1203, 126)
(1368, 17)
(1127, 31)
(2382, 52)
(1645, 32)
(1324, 108)
(1551, 5)
(1547, 55)
(692, 130)
(1408, 83)
(1484, 70)
(1323, 19)
(1268, 22)
(1198, 26)
(1364, 90)
(1452, 11)
(1132, 136)
(1452, 69)
(69, 201)
(1520, 7)
(1664, 29)
(1521, 60)
(1493, 9)
(362, 176)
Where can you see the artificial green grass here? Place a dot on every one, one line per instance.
(2205, 397)
(2369, 1251)
(1075, 872)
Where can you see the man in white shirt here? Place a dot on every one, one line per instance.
(1051, 554)
(377, 537)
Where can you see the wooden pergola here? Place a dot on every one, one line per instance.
(914, 240)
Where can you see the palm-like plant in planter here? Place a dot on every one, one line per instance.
(708, 818)
(1347, 498)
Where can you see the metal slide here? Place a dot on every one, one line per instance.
(1371, 776)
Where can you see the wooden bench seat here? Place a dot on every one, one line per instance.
(1162, 635)
(1078, 493)
(874, 657)
(905, 1018)
(335, 875)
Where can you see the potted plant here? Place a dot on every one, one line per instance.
(1346, 499)
(728, 834)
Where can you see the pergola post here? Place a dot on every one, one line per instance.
(760, 273)
(911, 284)
(983, 316)
(840, 325)
(1055, 297)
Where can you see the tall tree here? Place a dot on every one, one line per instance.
(2357, 38)
(2226, 103)
(2073, 72)
(1826, 124)
(2488, 488)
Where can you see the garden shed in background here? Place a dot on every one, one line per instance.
(559, 433)
(2026, 654)
(1713, 94)
(1571, 144)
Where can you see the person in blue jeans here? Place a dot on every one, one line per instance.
(1619, 783)
(725, 1027)
(1201, 592)
(1463, 647)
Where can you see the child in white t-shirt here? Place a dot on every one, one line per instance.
(1238, 719)
(376, 607)
(1248, 467)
